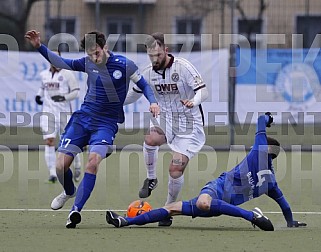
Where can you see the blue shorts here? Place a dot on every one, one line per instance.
(82, 131)
(215, 188)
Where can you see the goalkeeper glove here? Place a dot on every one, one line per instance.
(58, 98)
(268, 119)
(296, 224)
(38, 100)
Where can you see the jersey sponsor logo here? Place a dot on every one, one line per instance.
(251, 183)
(117, 74)
(175, 77)
(52, 85)
(95, 71)
(163, 89)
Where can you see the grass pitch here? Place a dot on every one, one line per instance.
(27, 223)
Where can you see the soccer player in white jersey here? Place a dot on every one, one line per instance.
(179, 90)
(58, 88)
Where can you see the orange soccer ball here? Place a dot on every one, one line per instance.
(138, 207)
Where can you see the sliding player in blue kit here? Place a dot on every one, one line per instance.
(95, 124)
(253, 177)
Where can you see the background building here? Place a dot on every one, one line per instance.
(212, 17)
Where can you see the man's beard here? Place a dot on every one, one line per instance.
(161, 65)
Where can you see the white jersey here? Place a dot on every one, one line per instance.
(59, 83)
(56, 114)
(179, 81)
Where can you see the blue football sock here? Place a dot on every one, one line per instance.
(67, 182)
(221, 207)
(154, 215)
(188, 207)
(84, 190)
(218, 207)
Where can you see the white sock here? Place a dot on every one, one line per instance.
(77, 162)
(174, 187)
(150, 157)
(50, 157)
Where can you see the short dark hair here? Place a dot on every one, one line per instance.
(92, 38)
(154, 39)
(275, 147)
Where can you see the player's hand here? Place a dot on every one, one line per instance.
(38, 100)
(187, 103)
(58, 98)
(154, 109)
(268, 119)
(34, 38)
(296, 224)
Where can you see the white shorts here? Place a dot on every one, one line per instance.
(52, 125)
(187, 142)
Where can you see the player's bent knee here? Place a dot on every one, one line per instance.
(151, 141)
(203, 205)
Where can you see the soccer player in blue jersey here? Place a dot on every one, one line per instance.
(95, 124)
(253, 177)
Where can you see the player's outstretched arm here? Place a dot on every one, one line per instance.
(34, 38)
(277, 195)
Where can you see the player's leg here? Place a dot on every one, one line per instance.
(62, 123)
(99, 148)
(77, 166)
(50, 157)
(219, 207)
(184, 148)
(153, 140)
(71, 143)
(152, 216)
(49, 130)
(86, 185)
(176, 176)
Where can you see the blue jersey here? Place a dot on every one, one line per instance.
(107, 84)
(252, 177)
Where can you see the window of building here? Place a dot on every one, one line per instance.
(249, 28)
(64, 25)
(117, 30)
(188, 34)
(306, 25)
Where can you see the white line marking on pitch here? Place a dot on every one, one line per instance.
(50, 210)
(116, 210)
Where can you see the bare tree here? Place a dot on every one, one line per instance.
(13, 19)
(199, 8)
(202, 8)
(252, 24)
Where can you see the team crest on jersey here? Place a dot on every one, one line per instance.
(175, 77)
(117, 74)
(60, 78)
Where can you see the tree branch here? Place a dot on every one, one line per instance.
(15, 17)
(263, 6)
(240, 9)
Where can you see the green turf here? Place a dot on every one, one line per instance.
(218, 136)
(22, 177)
